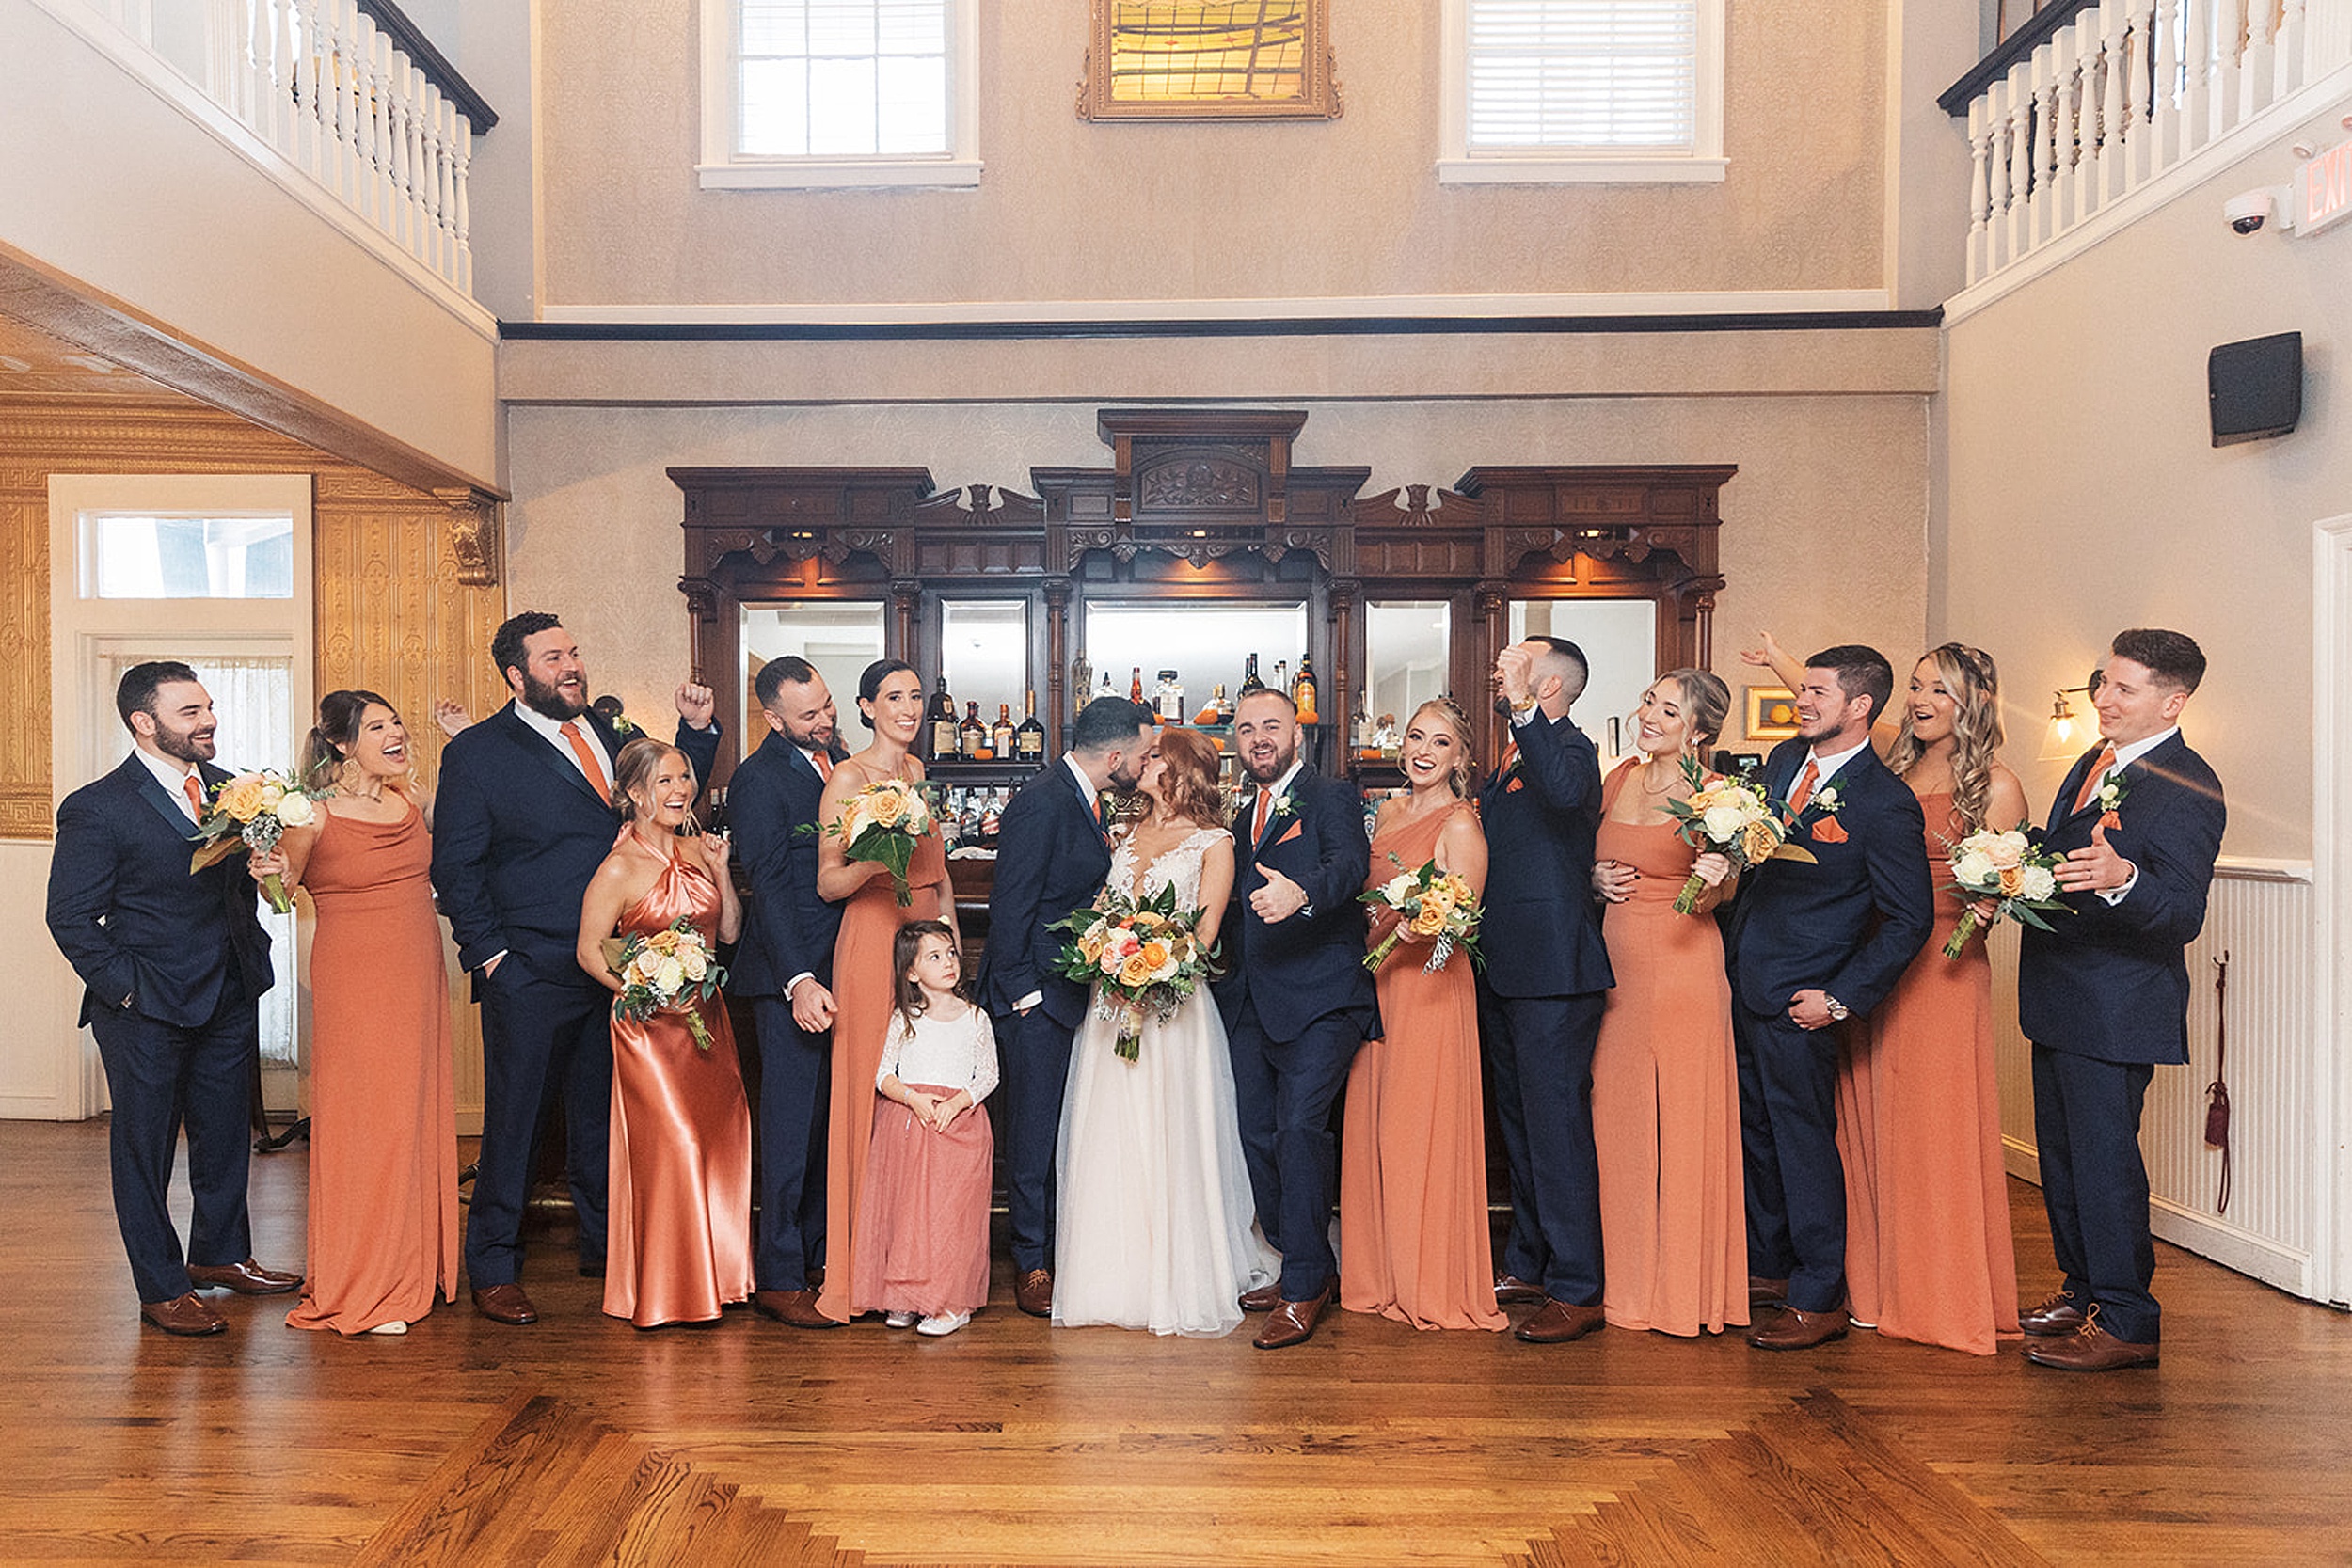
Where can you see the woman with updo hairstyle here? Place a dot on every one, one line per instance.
(1929, 1256)
(1665, 1084)
(382, 1222)
(1414, 1240)
(678, 1215)
(890, 703)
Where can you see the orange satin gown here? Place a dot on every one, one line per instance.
(861, 995)
(678, 1243)
(1927, 1250)
(383, 1225)
(1414, 1240)
(1666, 1099)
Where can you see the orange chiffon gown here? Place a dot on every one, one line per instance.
(1666, 1099)
(384, 1233)
(1414, 1241)
(678, 1243)
(1928, 1251)
(861, 996)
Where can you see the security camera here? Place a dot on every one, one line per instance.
(2248, 211)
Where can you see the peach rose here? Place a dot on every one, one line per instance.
(1135, 971)
(241, 797)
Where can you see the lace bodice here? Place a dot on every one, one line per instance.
(1180, 866)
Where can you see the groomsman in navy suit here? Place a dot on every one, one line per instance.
(1545, 987)
(2104, 994)
(174, 964)
(783, 966)
(523, 818)
(1052, 852)
(1812, 945)
(1297, 1000)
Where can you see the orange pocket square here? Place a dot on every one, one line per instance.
(1827, 831)
(1515, 786)
(2108, 821)
(1296, 828)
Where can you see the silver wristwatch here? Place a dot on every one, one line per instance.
(1839, 1011)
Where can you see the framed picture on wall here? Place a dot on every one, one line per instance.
(1772, 713)
(1209, 59)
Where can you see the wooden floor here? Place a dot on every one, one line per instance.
(1011, 1443)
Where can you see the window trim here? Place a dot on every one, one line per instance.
(1457, 165)
(723, 169)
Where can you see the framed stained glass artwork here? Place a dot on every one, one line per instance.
(1209, 59)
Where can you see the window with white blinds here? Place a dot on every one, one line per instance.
(1540, 90)
(837, 92)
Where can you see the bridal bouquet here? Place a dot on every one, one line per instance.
(666, 971)
(1735, 817)
(2009, 868)
(882, 822)
(1429, 903)
(252, 811)
(1141, 957)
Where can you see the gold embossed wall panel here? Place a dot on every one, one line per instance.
(24, 653)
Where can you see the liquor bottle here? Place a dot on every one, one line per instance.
(1000, 734)
(1028, 741)
(1168, 703)
(991, 818)
(952, 818)
(972, 739)
(1106, 689)
(1249, 681)
(1359, 733)
(942, 724)
(1215, 710)
(1081, 676)
(1135, 687)
(1303, 690)
(1282, 677)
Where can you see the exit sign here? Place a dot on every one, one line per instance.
(2326, 190)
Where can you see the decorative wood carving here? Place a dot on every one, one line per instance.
(473, 535)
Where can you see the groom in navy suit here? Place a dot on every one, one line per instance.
(784, 967)
(1812, 944)
(174, 964)
(523, 818)
(1298, 1001)
(2102, 995)
(1052, 852)
(1545, 987)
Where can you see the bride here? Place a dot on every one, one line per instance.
(1155, 1224)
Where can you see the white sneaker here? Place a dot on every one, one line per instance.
(394, 1326)
(899, 1319)
(946, 1322)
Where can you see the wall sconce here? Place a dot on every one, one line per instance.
(2068, 730)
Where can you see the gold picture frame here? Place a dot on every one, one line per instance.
(1772, 713)
(1209, 59)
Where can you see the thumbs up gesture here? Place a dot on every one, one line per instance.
(2096, 867)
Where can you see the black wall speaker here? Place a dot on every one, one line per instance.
(2255, 388)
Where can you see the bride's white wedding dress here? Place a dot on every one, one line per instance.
(1154, 1228)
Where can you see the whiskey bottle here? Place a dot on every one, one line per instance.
(1028, 741)
(1303, 690)
(972, 739)
(1000, 734)
(942, 724)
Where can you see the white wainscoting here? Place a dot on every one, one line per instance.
(2260, 914)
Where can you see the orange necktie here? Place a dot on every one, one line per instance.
(1257, 823)
(2084, 796)
(824, 765)
(587, 761)
(1510, 757)
(195, 796)
(1805, 786)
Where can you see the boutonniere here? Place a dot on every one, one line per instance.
(2111, 797)
(1825, 802)
(623, 726)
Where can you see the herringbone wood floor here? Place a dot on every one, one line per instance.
(1011, 1443)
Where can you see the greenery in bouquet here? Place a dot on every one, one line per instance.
(2009, 868)
(252, 811)
(665, 970)
(1143, 959)
(1736, 817)
(1431, 905)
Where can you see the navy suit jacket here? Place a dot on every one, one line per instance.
(1540, 934)
(130, 918)
(2111, 981)
(1051, 859)
(787, 930)
(517, 831)
(1851, 923)
(1301, 969)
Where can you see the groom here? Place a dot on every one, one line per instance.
(1297, 1000)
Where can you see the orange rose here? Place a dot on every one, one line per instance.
(886, 806)
(1135, 971)
(1154, 954)
(2012, 881)
(242, 798)
(1431, 919)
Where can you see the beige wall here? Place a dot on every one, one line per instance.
(1824, 535)
(1069, 210)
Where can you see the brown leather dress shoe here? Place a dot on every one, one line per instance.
(186, 1315)
(1266, 1298)
(1559, 1323)
(2052, 1318)
(505, 1304)
(1767, 1293)
(1293, 1322)
(1033, 1292)
(1797, 1329)
(248, 1278)
(1511, 1291)
(797, 1307)
(2091, 1349)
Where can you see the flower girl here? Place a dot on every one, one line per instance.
(925, 1209)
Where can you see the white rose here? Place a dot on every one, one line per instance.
(1972, 867)
(295, 810)
(2037, 884)
(693, 963)
(1723, 822)
(669, 976)
(1398, 888)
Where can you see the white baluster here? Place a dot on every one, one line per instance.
(2065, 71)
(377, 53)
(2259, 60)
(2089, 94)
(445, 253)
(461, 161)
(2228, 42)
(2021, 159)
(2114, 65)
(2164, 104)
(2290, 50)
(2045, 126)
(2196, 46)
(1979, 156)
(436, 154)
(411, 162)
(2138, 86)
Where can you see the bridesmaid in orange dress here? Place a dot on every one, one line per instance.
(1665, 1088)
(678, 1241)
(889, 703)
(1414, 1241)
(383, 1225)
(1927, 1250)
